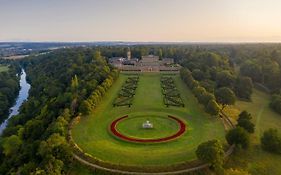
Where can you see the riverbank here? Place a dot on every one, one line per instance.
(23, 95)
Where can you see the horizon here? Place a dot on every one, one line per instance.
(178, 21)
(149, 42)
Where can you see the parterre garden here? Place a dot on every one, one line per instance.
(127, 92)
(171, 94)
(144, 96)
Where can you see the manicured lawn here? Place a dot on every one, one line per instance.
(93, 136)
(3, 68)
(162, 127)
(255, 160)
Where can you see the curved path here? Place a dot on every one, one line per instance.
(182, 129)
(81, 160)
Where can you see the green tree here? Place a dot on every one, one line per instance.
(3, 104)
(225, 79)
(271, 141)
(33, 129)
(11, 145)
(206, 97)
(213, 108)
(85, 107)
(211, 152)
(238, 136)
(209, 85)
(225, 96)
(198, 75)
(244, 121)
(251, 69)
(244, 87)
(74, 85)
(275, 103)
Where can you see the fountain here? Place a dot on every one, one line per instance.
(147, 125)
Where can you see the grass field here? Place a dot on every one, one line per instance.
(3, 68)
(93, 136)
(255, 160)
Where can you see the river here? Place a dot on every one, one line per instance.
(23, 95)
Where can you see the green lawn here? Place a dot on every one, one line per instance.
(256, 160)
(3, 68)
(93, 136)
(163, 126)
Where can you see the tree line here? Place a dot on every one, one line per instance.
(212, 79)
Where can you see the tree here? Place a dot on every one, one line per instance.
(198, 74)
(225, 96)
(198, 92)
(209, 85)
(252, 70)
(11, 145)
(244, 87)
(85, 107)
(211, 152)
(238, 136)
(244, 115)
(206, 97)
(74, 85)
(247, 125)
(3, 104)
(33, 129)
(213, 108)
(55, 152)
(271, 141)
(244, 121)
(225, 79)
(275, 103)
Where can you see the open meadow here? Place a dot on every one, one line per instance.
(255, 160)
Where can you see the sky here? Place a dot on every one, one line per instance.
(141, 20)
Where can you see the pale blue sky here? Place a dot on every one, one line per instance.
(143, 20)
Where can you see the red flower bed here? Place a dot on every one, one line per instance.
(130, 139)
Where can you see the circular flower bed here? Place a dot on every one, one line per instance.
(115, 132)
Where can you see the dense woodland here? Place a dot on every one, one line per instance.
(35, 140)
(9, 87)
(68, 82)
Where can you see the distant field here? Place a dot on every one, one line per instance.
(256, 160)
(93, 136)
(3, 68)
